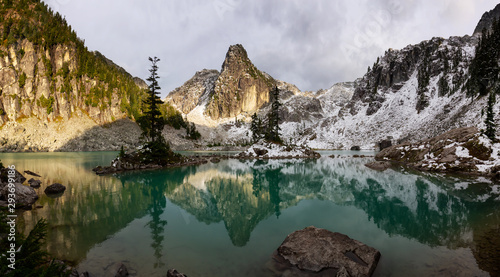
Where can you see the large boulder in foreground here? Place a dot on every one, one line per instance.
(462, 150)
(319, 252)
(25, 196)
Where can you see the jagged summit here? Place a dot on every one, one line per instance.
(487, 19)
(240, 87)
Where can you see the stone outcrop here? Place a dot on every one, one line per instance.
(487, 19)
(462, 150)
(316, 250)
(240, 87)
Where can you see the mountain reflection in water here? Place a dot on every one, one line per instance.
(251, 198)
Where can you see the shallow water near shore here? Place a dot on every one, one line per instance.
(227, 218)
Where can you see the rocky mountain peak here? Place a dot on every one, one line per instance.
(235, 55)
(240, 87)
(487, 19)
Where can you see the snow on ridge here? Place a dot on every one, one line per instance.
(397, 119)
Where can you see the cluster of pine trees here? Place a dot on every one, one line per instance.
(484, 69)
(36, 22)
(485, 74)
(268, 128)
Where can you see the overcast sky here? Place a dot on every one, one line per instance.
(312, 44)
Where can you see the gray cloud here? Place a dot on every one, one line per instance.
(312, 44)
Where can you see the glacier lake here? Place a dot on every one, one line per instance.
(227, 218)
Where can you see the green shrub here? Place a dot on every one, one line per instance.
(46, 103)
(22, 80)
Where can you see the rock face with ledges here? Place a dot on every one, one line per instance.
(240, 87)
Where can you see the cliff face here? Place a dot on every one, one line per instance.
(445, 60)
(240, 87)
(49, 82)
(41, 83)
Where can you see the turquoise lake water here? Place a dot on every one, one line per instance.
(226, 219)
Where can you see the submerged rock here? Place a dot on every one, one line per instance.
(122, 271)
(34, 183)
(55, 188)
(31, 173)
(175, 273)
(319, 251)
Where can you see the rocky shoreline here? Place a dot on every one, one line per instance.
(462, 151)
(117, 166)
(131, 162)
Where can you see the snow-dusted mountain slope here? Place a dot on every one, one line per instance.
(410, 94)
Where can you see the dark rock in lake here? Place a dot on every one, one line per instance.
(31, 173)
(34, 183)
(260, 152)
(379, 165)
(122, 271)
(175, 273)
(384, 144)
(355, 148)
(55, 188)
(318, 250)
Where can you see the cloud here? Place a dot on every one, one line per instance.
(311, 44)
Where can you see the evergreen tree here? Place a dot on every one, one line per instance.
(157, 150)
(484, 68)
(153, 122)
(490, 118)
(255, 128)
(191, 131)
(272, 133)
